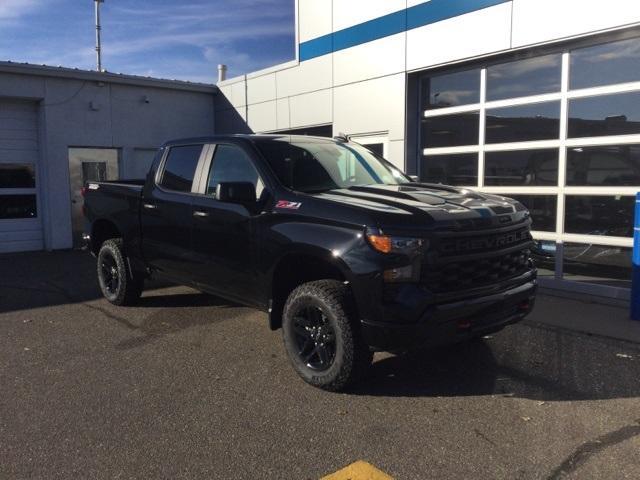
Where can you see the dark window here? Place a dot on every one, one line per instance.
(531, 76)
(609, 165)
(599, 215)
(617, 114)
(610, 63)
(602, 264)
(452, 89)
(180, 167)
(231, 164)
(542, 209)
(450, 130)
(320, 131)
(18, 206)
(377, 148)
(13, 175)
(456, 169)
(521, 167)
(536, 121)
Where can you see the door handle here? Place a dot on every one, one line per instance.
(149, 206)
(200, 213)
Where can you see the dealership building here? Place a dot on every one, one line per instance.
(533, 99)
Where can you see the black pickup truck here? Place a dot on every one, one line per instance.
(347, 254)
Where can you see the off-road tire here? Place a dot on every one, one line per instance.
(128, 288)
(352, 356)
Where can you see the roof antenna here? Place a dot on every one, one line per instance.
(98, 42)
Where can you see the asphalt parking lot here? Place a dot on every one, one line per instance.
(186, 385)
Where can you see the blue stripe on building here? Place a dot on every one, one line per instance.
(396, 22)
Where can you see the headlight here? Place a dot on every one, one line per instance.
(410, 248)
(388, 244)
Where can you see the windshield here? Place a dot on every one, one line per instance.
(318, 167)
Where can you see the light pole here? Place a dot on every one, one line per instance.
(98, 42)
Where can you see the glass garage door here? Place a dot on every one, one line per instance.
(559, 132)
(20, 225)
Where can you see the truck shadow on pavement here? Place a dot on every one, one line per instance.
(525, 361)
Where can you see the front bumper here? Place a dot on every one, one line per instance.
(454, 321)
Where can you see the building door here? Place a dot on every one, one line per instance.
(20, 215)
(85, 165)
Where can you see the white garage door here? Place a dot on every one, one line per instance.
(20, 216)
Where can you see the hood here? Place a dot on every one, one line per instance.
(420, 205)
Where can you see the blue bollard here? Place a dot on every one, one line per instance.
(635, 280)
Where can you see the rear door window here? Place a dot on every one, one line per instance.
(180, 167)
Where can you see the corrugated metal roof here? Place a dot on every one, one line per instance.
(109, 77)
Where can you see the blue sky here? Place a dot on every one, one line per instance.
(160, 38)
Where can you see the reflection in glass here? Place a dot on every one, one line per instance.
(607, 165)
(542, 209)
(521, 167)
(617, 114)
(452, 89)
(536, 121)
(180, 167)
(543, 254)
(13, 175)
(531, 76)
(450, 130)
(602, 264)
(456, 169)
(18, 206)
(607, 64)
(610, 215)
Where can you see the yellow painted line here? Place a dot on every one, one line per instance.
(359, 470)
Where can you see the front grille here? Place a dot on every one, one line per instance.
(477, 243)
(466, 274)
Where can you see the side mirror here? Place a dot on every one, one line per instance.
(414, 178)
(236, 192)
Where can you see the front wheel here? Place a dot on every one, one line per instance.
(116, 282)
(322, 337)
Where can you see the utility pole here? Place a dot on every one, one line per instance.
(98, 42)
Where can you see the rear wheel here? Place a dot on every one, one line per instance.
(117, 283)
(321, 335)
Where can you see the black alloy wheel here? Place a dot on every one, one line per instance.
(110, 274)
(321, 333)
(118, 283)
(315, 338)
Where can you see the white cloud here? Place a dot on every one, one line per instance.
(12, 9)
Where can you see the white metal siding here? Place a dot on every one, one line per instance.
(19, 144)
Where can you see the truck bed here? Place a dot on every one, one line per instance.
(118, 201)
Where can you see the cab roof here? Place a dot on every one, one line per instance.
(245, 137)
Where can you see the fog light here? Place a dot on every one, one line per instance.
(400, 274)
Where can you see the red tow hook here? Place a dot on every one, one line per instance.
(464, 324)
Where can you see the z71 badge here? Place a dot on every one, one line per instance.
(288, 205)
